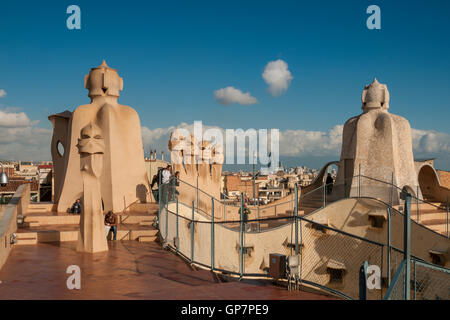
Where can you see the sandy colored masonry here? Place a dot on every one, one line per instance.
(379, 143)
(124, 178)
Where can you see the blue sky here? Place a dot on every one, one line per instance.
(174, 55)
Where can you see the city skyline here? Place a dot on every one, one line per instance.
(294, 67)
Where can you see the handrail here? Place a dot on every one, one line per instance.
(283, 218)
(396, 278)
(391, 184)
(426, 264)
(303, 196)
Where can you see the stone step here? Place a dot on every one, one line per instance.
(41, 207)
(434, 222)
(61, 233)
(26, 238)
(425, 207)
(426, 216)
(30, 224)
(135, 234)
(135, 218)
(439, 229)
(55, 219)
(49, 218)
(143, 207)
(147, 238)
(26, 241)
(146, 223)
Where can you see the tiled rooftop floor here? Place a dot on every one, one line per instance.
(129, 270)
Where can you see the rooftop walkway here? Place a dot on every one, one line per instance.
(129, 270)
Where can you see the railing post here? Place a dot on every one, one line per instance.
(415, 281)
(447, 219)
(197, 192)
(324, 196)
(192, 234)
(241, 251)
(363, 280)
(167, 209)
(296, 219)
(407, 244)
(212, 233)
(417, 204)
(259, 221)
(159, 201)
(392, 189)
(224, 209)
(389, 245)
(177, 236)
(359, 181)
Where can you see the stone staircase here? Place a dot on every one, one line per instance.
(433, 215)
(41, 224)
(313, 201)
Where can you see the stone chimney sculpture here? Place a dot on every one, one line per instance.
(91, 147)
(199, 164)
(123, 162)
(379, 145)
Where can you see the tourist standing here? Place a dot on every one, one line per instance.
(111, 224)
(329, 183)
(245, 217)
(165, 180)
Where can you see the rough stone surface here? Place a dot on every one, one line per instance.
(124, 178)
(91, 147)
(199, 164)
(380, 144)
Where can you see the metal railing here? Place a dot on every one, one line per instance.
(216, 235)
(428, 214)
(427, 282)
(233, 244)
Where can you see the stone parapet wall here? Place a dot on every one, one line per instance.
(444, 177)
(8, 219)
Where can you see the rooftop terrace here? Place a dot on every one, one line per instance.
(129, 270)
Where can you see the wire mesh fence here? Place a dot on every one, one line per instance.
(429, 282)
(234, 238)
(330, 258)
(396, 290)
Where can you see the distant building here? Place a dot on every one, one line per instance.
(237, 184)
(24, 172)
(45, 174)
(7, 192)
(152, 165)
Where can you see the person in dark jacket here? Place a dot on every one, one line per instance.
(111, 221)
(76, 207)
(329, 183)
(245, 217)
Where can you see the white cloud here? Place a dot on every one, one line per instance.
(304, 143)
(20, 139)
(230, 95)
(277, 75)
(13, 120)
(292, 142)
(430, 141)
(2, 93)
(311, 143)
(25, 141)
